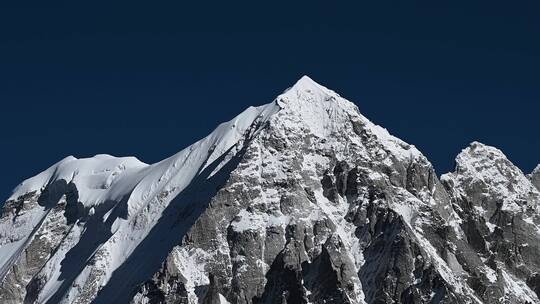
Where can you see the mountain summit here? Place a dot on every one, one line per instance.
(301, 200)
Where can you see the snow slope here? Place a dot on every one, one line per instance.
(145, 190)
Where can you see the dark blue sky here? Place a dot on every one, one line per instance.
(150, 79)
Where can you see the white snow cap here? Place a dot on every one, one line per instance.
(306, 90)
(98, 178)
(306, 83)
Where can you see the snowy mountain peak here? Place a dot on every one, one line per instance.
(487, 167)
(483, 161)
(479, 156)
(306, 83)
(301, 200)
(311, 106)
(306, 90)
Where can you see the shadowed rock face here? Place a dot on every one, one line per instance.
(309, 202)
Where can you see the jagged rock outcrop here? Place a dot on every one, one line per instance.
(499, 210)
(302, 200)
(535, 177)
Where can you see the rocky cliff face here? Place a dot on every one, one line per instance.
(499, 213)
(535, 177)
(302, 200)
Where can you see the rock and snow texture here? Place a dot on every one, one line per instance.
(535, 177)
(499, 212)
(302, 200)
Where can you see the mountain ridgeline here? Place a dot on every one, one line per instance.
(302, 200)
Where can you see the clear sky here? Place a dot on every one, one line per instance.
(149, 79)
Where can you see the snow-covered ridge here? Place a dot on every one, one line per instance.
(147, 191)
(98, 178)
(104, 177)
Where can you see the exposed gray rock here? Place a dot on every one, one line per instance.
(499, 214)
(535, 177)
